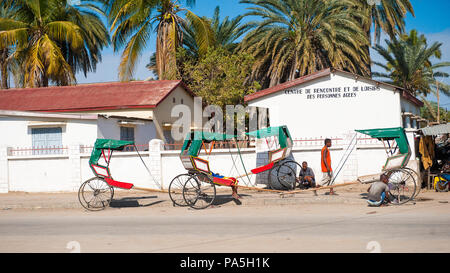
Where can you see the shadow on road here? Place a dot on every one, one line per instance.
(226, 198)
(133, 202)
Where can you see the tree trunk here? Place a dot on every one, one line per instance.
(367, 50)
(44, 80)
(167, 42)
(4, 68)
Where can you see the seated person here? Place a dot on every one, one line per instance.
(306, 176)
(379, 192)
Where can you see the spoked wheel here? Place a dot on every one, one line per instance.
(287, 174)
(402, 186)
(273, 179)
(95, 194)
(176, 189)
(417, 179)
(199, 191)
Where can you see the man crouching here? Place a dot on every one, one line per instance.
(379, 192)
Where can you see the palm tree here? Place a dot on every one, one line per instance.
(6, 11)
(214, 32)
(385, 15)
(229, 31)
(197, 36)
(409, 65)
(299, 37)
(94, 33)
(132, 23)
(50, 39)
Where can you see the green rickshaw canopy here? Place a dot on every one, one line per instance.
(281, 131)
(111, 144)
(397, 134)
(194, 140)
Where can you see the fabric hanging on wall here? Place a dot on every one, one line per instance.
(426, 149)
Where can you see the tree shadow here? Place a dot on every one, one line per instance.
(133, 202)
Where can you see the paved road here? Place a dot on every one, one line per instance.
(424, 227)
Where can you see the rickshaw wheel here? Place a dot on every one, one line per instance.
(287, 174)
(95, 194)
(199, 191)
(176, 189)
(417, 179)
(273, 179)
(402, 186)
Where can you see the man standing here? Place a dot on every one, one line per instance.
(307, 178)
(327, 172)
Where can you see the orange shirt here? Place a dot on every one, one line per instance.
(328, 160)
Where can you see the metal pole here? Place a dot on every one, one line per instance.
(437, 87)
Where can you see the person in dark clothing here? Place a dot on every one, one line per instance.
(306, 176)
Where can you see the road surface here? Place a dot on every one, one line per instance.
(423, 227)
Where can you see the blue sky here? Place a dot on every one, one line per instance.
(431, 18)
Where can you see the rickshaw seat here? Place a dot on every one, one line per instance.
(117, 184)
(262, 168)
(223, 180)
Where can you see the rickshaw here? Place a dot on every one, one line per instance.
(197, 187)
(283, 172)
(97, 193)
(402, 180)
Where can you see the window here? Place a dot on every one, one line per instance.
(168, 136)
(127, 133)
(47, 140)
(173, 100)
(181, 101)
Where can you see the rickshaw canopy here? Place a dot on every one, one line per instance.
(193, 142)
(111, 144)
(281, 132)
(397, 134)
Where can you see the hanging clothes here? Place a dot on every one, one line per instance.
(426, 149)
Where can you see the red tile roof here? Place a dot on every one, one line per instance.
(324, 73)
(85, 97)
(288, 84)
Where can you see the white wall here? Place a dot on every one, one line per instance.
(110, 128)
(16, 130)
(66, 172)
(44, 174)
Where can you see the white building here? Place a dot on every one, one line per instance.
(45, 133)
(147, 100)
(332, 104)
(41, 152)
